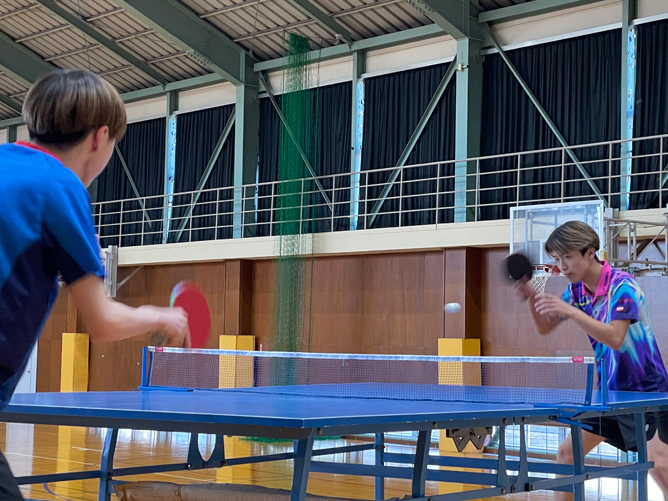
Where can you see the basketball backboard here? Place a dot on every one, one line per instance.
(109, 257)
(531, 225)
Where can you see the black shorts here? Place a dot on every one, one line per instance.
(620, 431)
(9, 489)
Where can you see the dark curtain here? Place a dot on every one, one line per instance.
(651, 115)
(196, 136)
(577, 81)
(143, 148)
(332, 107)
(270, 131)
(394, 104)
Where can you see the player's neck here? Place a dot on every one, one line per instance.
(70, 158)
(593, 277)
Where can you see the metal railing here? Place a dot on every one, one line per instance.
(434, 194)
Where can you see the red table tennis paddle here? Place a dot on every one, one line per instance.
(188, 296)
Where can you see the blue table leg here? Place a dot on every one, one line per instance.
(502, 479)
(421, 462)
(522, 480)
(578, 461)
(380, 461)
(302, 465)
(107, 465)
(641, 438)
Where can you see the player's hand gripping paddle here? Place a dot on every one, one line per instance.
(188, 296)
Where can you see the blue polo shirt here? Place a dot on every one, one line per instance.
(46, 229)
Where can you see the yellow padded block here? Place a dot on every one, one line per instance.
(74, 363)
(235, 372)
(455, 373)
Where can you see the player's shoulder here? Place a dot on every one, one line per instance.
(43, 171)
(622, 281)
(618, 276)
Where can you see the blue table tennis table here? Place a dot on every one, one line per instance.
(304, 413)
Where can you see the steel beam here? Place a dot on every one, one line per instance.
(458, 18)
(435, 99)
(10, 103)
(21, 64)
(357, 132)
(629, 45)
(207, 171)
(149, 93)
(534, 8)
(10, 122)
(548, 120)
(246, 153)
(468, 126)
(90, 31)
(323, 19)
(170, 162)
(201, 40)
(128, 174)
(181, 85)
(298, 146)
(12, 134)
(375, 43)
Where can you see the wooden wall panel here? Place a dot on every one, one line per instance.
(507, 329)
(263, 303)
(390, 303)
(238, 297)
(50, 344)
(117, 366)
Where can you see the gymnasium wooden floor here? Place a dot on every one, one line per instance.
(33, 450)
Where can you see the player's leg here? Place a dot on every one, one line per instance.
(657, 450)
(565, 455)
(565, 452)
(9, 489)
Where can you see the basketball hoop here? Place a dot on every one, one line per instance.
(541, 273)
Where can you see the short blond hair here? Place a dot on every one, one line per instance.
(64, 106)
(573, 236)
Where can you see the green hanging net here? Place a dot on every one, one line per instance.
(296, 198)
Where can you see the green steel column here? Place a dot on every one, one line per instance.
(468, 125)
(11, 133)
(246, 151)
(357, 130)
(170, 162)
(629, 37)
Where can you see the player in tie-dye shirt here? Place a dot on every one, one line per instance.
(609, 305)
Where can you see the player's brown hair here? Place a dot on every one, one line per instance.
(64, 106)
(572, 236)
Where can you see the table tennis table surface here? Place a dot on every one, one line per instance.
(286, 407)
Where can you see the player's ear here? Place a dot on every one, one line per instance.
(590, 254)
(100, 137)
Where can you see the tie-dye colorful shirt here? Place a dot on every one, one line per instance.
(637, 364)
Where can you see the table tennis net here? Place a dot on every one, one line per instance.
(508, 380)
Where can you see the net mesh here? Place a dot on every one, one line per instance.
(507, 380)
(294, 215)
(541, 275)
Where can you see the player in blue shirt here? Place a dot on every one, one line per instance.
(609, 305)
(74, 119)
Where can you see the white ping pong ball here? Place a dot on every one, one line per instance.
(452, 307)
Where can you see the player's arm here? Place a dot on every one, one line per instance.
(108, 320)
(544, 324)
(611, 335)
(76, 254)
